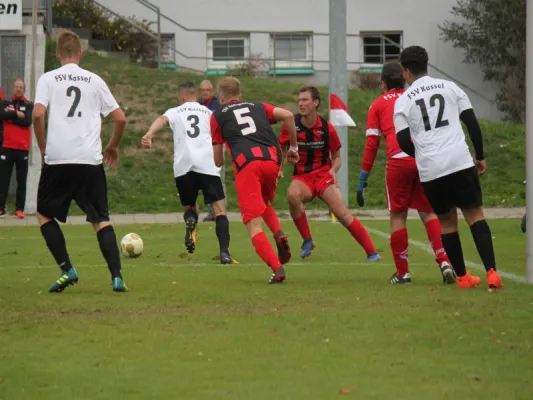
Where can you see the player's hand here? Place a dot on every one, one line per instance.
(363, 183)
(333, 174)
(280, 174)
(111, 156)
(146, 141)
(293, 157)
(481, 166)
(20, 114)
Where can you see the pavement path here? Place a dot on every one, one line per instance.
(170, 218)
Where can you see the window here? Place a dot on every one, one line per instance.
(379, 48)
(167, 48)
(223, 50)
(291, 50)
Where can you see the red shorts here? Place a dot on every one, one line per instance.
(404, 189)
(256, 185)
(317, 181)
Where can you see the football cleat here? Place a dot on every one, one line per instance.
(448, 274)
(468, 281)
(493, 279)
(374, 257)
(67, 278)
(3, 213)
(225, 258)
(397, 279)
(278, 276)
(119, 285)
(284, 251)
(19, 214)
(190, 235)
(307, 247)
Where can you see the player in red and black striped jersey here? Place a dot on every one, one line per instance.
(315, 173)
(244, 127)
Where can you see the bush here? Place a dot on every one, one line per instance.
(253, 66)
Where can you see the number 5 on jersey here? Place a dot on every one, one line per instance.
(243, 119)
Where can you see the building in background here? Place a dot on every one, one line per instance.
(214, 35)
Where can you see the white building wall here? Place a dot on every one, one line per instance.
(417, 20)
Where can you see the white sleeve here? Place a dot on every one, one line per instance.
(108, 104)
(400, 116)
(41, 94)
(463, 102)
(170, 115)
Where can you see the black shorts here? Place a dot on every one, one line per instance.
(458, 190)
(189, 184)
(83, 183)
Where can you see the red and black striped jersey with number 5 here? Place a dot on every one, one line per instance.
(245, 129)
(315, 144)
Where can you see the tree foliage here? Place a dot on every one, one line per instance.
(105, 26)
(493, 34)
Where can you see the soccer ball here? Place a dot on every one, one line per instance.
(132, 245)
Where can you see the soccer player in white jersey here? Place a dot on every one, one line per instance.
(72, 158)
(194, 166)
(430, 112)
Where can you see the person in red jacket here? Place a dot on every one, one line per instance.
(403, 186)
(15, 116)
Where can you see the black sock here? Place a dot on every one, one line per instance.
(452, 245)
(56, 244)
(109, 248)
(483, 239)
(222, 228)
(190, 214)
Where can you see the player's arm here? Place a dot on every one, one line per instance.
(217, 140)
(7, 115)
(119, 124)
(373, 138)
(159, 123)
(39, 112)
(403, 132)
(26, 116)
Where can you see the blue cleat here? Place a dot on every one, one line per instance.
(67, 278)
(307, 247)
(119, 285)
(374, 257)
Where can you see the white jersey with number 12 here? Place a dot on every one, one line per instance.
(193, 146)
(430, 108)
(76, 100)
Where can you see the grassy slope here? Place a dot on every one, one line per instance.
(144, 181)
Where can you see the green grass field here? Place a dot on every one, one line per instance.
(192, 329)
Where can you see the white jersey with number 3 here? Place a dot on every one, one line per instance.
(193, 147)
(75, 99)
(430, 108)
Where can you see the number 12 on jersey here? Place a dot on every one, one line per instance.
(432, 103)
(243, 119)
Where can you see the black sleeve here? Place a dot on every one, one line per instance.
(5, 115)
(474, 131)
(26, 121)
(404, 140)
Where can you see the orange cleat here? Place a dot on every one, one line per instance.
(19, 214)
(493, 279)
(468, 281)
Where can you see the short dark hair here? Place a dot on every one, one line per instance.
(415, 59)
(392, 75)
(186, 85)
(315, 93)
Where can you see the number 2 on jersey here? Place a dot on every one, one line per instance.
(76, 102)
(432, 100)
(243, 119)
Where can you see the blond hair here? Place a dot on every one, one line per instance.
(229, 87)
(68, 44)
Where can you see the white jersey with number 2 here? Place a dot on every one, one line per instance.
(430, 108)
(193, 145)
(76, 99)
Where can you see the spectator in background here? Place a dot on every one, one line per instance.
(1, 124)
(209, 100)
(16, 117)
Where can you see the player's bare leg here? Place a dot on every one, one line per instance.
(454, 250)
(271, 220)
(483, 238)
(55, 241)
(264, 250)
(190, 216)
(298, 194)
(222, 230)
(107, 240)
(434, 231)
(332, 196)
(399, 243)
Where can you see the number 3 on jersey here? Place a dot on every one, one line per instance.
(243, 119)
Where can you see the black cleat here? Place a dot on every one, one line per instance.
(397, 279)
(190, 235)
(284, 251)
(278, 276)
(448, 274)
(225, 258)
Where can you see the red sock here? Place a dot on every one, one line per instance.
(265, 251)
(434, 231)
(399, 243)
(303, 226)
(271, 219)
(360, 234)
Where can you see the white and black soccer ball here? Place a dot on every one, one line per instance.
(132, 245)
